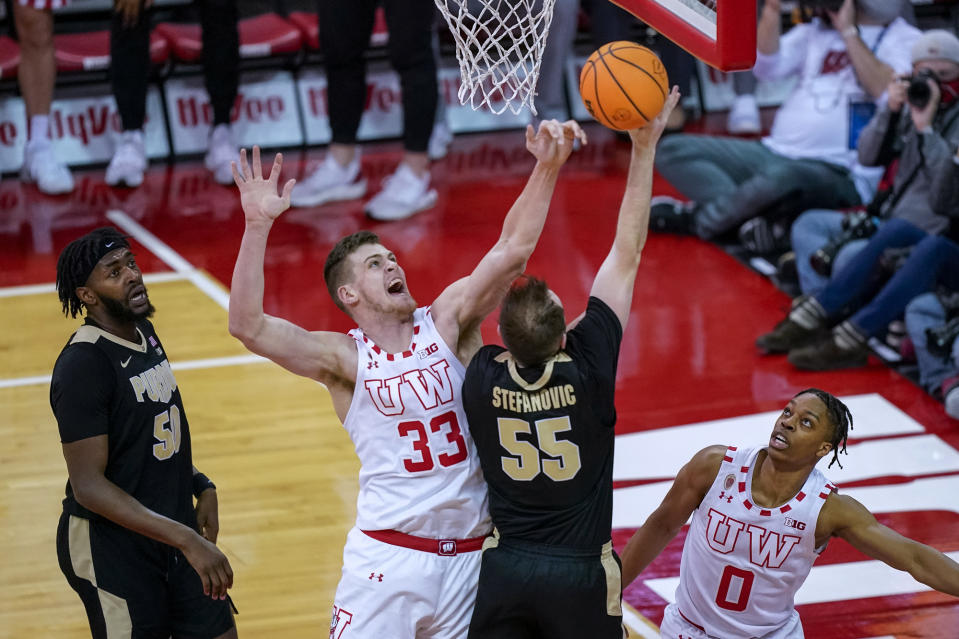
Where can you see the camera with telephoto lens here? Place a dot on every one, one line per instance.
(817, 7)
(855, 226)
(939, 340)
(918, 93)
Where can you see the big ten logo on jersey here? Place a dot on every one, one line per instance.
(766, 548)
(339, 622)
(423, 353)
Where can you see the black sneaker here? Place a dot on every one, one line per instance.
(669, 215)
(826, 355)
(786, 336)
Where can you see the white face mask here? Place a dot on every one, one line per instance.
(882, 11)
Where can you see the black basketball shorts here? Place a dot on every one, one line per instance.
(530, 590)
(134, 587)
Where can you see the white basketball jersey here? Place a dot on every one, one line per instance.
(742, 564)
(419, 471)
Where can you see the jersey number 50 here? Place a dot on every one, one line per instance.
(526, 464)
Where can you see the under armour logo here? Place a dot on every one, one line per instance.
(371, 364)
(378, 577)
(729, 499)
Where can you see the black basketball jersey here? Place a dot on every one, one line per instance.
(105, 385)
(545, 435)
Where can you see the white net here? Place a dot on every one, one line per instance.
(499, 45)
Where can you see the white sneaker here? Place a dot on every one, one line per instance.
(221, 151)
(440, 140)
(129, 161)
(330, 182)
(403, 195)
(744, 115)
(41, 166)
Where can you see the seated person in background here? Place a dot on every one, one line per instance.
(854, 287)
(927, 317)
(921, 129)
(130, 74)
(36, 74)
(803, 333)
(746, 553)
(806, 162)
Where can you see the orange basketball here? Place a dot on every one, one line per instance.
(623, 85)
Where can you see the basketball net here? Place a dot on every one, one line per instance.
(499, 45)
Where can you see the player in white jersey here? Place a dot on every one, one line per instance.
(411, 563)
(760, 518)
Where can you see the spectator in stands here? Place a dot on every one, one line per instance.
(129, 74)
(921, 141)
(854, 299)
(608, 23)
(345, 27)
(36, 74)
(806, 162)
(938, 372)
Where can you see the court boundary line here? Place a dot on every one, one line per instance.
(51, 287)
(637, 623)
(209, 286)
(188, 365)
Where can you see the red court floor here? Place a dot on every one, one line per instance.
(688, 352)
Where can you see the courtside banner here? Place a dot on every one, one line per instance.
(84, 127)
(463, 118)
(382, 111)
(264, 113)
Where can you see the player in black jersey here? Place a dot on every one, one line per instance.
(542, 417)
(130, 541)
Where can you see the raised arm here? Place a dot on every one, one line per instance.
(318, 355)
(616, 276)
(844, 517)
(465, 303)
(873, 74)
(683, 498)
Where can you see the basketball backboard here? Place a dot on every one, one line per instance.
(721, 33)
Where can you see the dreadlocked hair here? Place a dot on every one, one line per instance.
(76, 262)
(841, 420)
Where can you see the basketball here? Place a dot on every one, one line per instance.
(623, 85)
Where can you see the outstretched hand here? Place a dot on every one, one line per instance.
(258, 196)
(646, 137)
(552, 142)
(845, 17)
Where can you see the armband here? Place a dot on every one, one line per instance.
(200, 483)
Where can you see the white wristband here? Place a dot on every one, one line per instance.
(848, 32)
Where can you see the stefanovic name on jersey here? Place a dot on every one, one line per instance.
(518, 401)
(157, 383)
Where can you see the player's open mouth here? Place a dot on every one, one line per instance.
(138, 295)
(396, 286)
(778, 441)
